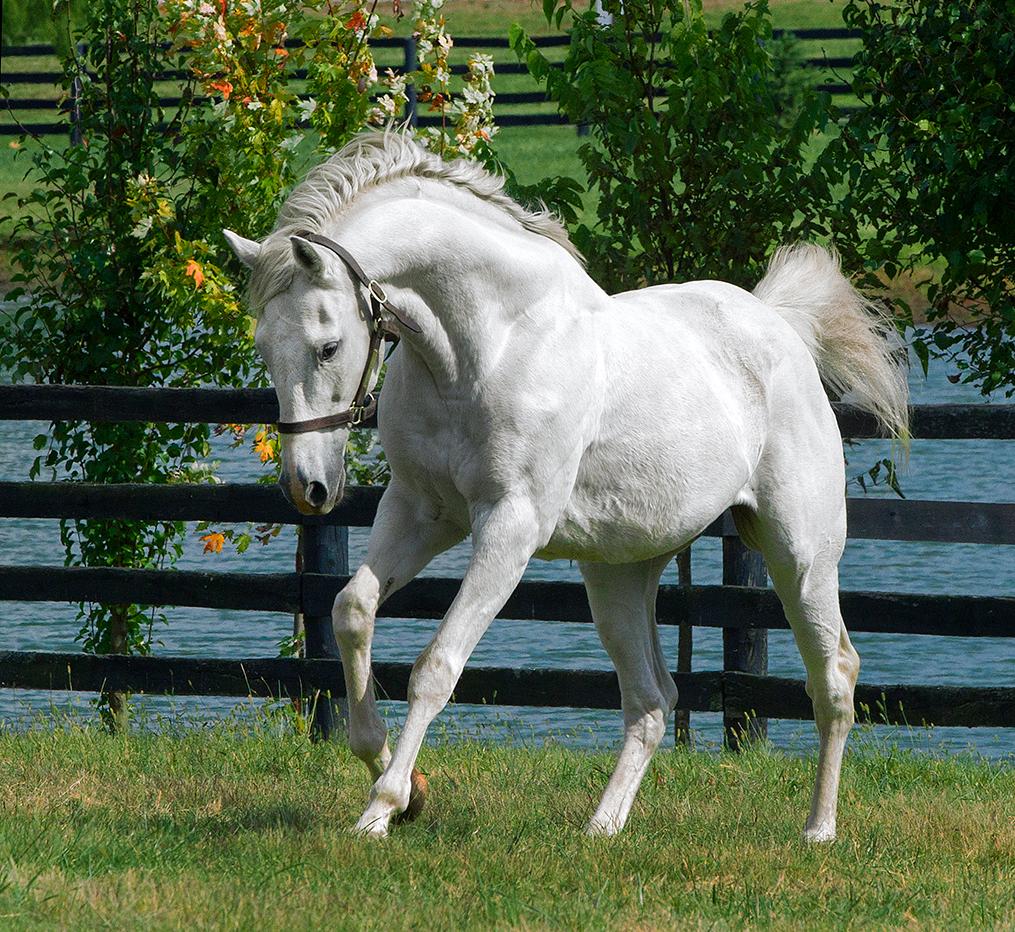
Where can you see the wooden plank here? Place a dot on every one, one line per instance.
(773, 697)
(704, 606)
(902, 613)
(944, 522)
(265, 592)
(122, 403)
(323, 550)
(259, 405)
(429, 597)
(937, 422)
(743, 649)
(900, 704)
(869, 518)
(228, 502)
(26, 50)
(289, 676)
(835, 32)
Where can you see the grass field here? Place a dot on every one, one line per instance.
(242, 828)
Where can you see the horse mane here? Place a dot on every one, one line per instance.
(369, 160)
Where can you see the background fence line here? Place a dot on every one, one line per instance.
(742, 607)
(67, 105)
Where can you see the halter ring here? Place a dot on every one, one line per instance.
(375, 289)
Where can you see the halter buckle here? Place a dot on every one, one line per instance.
(359, 411)
(377, 292)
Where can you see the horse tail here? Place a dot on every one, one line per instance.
(851, 338)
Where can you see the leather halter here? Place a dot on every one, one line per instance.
(364, 404)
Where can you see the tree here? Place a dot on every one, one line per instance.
(123, 276)
(927, 173)
(695, 153)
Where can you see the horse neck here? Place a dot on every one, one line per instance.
(472, 277)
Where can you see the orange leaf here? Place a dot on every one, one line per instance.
(195, 272)
(224, 87)
(213, 542)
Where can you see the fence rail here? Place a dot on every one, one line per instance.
(868, 518)
(743, 612)
(727, 607)
(112, 403)
(741, 693)
(406, 45)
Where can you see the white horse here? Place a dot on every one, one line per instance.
(528, 408)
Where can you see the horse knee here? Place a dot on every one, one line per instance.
(648, 726)
(352, 618)
(832, 699)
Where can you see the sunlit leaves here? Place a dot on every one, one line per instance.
(930, 174)
(697, 140)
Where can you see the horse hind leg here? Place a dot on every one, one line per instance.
(806, 579)
(622, 599)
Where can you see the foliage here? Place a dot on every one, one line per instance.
(929, 172)
(113, 243)
(123, 278)
(697, 143)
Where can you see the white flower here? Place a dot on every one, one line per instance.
(394, 82)
(142, 228)
(481, 65)
(474, 95)
(254, 105)
(307, 108)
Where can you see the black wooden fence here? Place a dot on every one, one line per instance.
(743, 610)
(35, 115)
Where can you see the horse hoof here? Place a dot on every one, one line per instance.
(417, 797)
(819, 835)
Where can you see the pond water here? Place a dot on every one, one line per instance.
(981, 471)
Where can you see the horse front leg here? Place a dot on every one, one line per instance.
(404, 539)
(504, 537)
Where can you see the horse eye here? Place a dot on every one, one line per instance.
(328, 350)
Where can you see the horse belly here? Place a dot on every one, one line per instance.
(630, 521)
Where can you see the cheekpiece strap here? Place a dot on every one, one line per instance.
(376, 292)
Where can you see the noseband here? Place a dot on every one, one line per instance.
(364, 404)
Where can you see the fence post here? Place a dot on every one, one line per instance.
(409, 66)
(325, 550)
(744, 650)
(75, 100)
(685, 644)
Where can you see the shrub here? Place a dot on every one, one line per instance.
(928, 172)
(697, 142)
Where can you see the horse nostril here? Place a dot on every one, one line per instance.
(317, 494)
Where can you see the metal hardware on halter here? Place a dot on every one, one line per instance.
(379, 294)
(364, 403)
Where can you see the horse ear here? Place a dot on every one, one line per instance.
(309, 255)
(246, 250)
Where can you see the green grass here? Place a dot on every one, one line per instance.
(242, 828)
